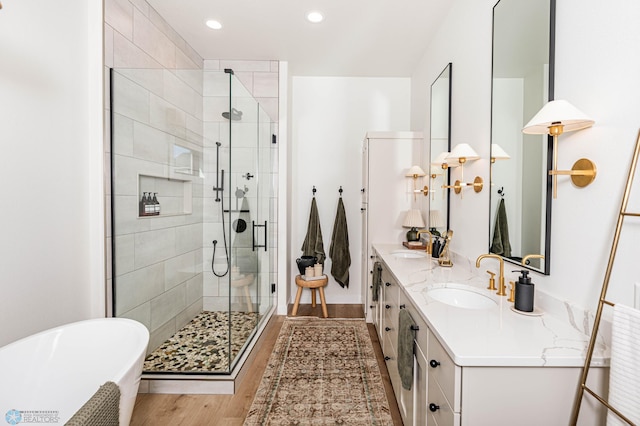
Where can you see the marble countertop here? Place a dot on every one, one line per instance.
(494, 336)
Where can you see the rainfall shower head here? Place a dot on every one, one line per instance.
(234, 115)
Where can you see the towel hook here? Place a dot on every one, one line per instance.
(501, 191)
(340, 190)
(314, 190)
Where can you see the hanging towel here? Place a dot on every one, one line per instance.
(339, 250)
(624, 374)
(500, 243)
(312, 245)
(376, 281)
(406, 335)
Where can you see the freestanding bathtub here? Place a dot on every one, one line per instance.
(45, 378)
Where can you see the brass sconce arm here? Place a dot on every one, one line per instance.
(477, 185)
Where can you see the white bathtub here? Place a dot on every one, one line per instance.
(48, 376)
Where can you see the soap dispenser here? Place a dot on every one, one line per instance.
(524, 292)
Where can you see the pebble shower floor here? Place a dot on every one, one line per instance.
(203, 344)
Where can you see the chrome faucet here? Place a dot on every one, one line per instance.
(430, 243)
(502, 289)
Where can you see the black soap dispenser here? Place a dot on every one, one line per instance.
(524, 292)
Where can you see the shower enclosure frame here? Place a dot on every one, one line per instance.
(264, 176)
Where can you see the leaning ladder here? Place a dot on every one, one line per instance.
(582, 387)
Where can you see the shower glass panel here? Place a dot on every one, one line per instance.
(193, 185)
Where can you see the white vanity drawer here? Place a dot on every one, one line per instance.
(391, 359)
(444, 371)
(439, 412)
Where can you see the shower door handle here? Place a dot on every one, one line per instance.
(254, 246)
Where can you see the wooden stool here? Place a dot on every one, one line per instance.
(313, 285)
(244, 281)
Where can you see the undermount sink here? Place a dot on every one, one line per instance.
(409, 254)
(461, 296)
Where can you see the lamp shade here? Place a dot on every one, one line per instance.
(558, 112)
(497, 153)
(435, 219)
(440, 159)
(416, 171)
(413, 219)
(463, 150)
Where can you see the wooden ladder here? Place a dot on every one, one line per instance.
(582, 387)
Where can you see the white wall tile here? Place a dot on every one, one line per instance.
(189, 313)
(124, 247)
(119, 15)
(265, 85)
(179, 269)
(180, 94)
(126, 216)
(122, 135)
(108, 46)
(130, 99)
(161, 334)
(138, 287)
(167, 305)
(150, 39)
(167, 117)
(154, 246)
(151, 144)
(264, 66)
(128, 55)
(141, 313)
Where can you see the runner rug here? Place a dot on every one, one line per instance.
(321, 372)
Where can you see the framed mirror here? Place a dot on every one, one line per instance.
(440, 142)
(522, 82)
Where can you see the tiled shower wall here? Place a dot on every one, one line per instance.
(162, 251)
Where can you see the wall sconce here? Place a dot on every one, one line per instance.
(415, 172)
(555, 118)
(413, 220)
(461, 154)
(497, 153)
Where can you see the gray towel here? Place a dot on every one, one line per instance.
(376, 281)
(312, 245)
(500, 243)
(406, 335)
(102, 409)
(339, 250)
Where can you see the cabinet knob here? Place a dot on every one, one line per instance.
(370, 306)
(387, 306)
(433, 407)
(387, 329)
(362, 190)
(433, 363)
(387, 284)
(362, 209)
(386, 358)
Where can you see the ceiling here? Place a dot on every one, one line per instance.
(372, 38)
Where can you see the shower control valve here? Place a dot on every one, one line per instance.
(247, 176)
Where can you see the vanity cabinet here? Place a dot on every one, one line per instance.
(446, 394)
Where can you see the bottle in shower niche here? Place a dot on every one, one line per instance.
(156, 204)
(142, 205)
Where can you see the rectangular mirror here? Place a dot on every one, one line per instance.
(522, 82)
(440, 143)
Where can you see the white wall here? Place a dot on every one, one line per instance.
(51, 216)
(330, 116)
(597, 70)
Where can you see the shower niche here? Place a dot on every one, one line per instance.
(199, 274)
(174, 196)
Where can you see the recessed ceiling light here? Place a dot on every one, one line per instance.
(213, 24)
(315, 17)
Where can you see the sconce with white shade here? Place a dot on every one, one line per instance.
(435, 221)
(413, 220)
(555, 118)
(497, 153)
(462, 153)
(416, 172)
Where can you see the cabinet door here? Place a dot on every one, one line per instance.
(420, 384)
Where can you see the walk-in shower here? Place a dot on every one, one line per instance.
(199, 274)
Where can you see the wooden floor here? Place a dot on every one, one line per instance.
(230, 410)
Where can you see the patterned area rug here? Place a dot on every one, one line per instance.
(203, 344)
(321, 372)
